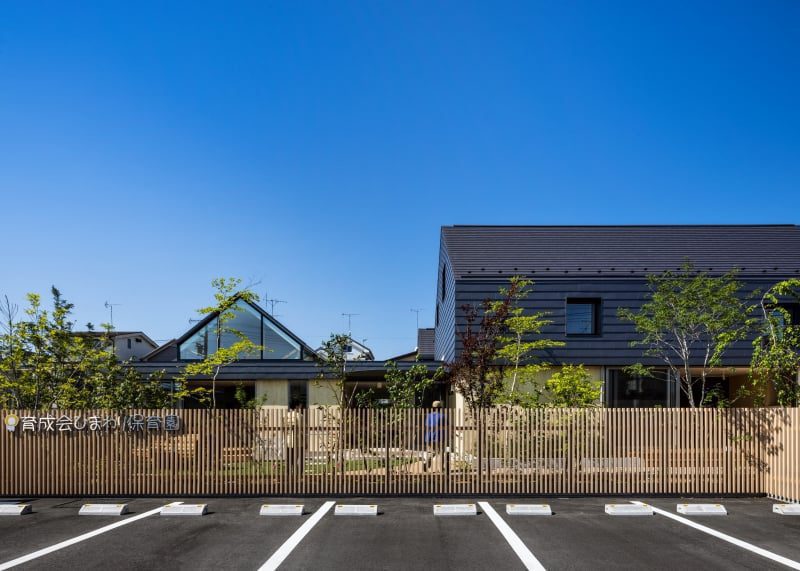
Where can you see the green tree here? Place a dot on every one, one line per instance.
(474, 373)
(333, 369)
(776, 352)
(573, 387)
(228, 295)
(520, 346)
(45, 364)
(407, 388)
(247, 402)
(689, 322)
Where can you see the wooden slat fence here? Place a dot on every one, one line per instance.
(394, 451)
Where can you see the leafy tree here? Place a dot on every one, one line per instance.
(247, 402)
(573, 387)
(333, 367)
(776, 353)
(519, 346)
(407, 388)
(689, 322)
(474, 372)
(227, 297)
(45, 364)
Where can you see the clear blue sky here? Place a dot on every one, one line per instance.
(318, 147)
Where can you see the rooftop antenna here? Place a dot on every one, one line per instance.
(272, 303)
(349, 321)
(110, 308)
(417, 310)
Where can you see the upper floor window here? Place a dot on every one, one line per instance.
(247, 323)
(785, 314)
(582, 316)
(444, 281)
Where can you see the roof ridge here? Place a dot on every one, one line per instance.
(778, 225)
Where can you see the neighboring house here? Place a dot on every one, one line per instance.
(355, 351)
(584, 274)
(424, 350)
(286, 373)
(126, 345)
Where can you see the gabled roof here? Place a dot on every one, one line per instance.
(114, 334)
(410, 356)
(208, 318)
(151, 356)
(619, 251)
(358, 351)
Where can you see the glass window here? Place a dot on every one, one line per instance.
(278, 345)
(212, 336)
(251, 324)
(194, 347)
(628, 391)
(581, 316)
(246, 322)
(298, 394)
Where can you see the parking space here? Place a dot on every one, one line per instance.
(231, 535)
(750, 520)
(404, 535)
(579, 533)
(53, 521)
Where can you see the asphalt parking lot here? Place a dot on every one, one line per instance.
(405, 535)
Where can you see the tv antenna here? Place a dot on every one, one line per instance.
(272, 303)
(417, 310)
(349, 317)
(110, 308)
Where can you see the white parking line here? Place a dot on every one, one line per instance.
(74, 540)
(293, 541)
(528, 559)
(730, 539)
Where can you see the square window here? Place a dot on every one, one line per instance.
(582, 316)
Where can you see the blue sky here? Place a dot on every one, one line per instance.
(317, 148)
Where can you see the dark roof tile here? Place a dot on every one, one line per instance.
(619, 251)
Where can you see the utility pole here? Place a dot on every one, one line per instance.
(110, 308)
(417, 310)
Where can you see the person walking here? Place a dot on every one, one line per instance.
(434, 434)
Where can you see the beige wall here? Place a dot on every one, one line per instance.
(596, 374)
(322, 393)
(458, 403)
(276, 393)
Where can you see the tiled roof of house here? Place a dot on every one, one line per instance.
(620, 251)
(425, 339)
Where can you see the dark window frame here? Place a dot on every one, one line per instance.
(596, 304)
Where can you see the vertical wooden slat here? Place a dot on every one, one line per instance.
(502, 451)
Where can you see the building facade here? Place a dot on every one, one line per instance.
(285, 373)
(584, 274)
